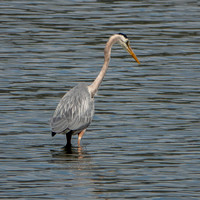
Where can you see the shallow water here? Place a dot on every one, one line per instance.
(144, 141)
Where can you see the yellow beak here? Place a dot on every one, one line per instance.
(132, 54)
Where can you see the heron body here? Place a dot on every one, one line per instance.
(75, 110)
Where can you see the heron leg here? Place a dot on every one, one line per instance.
(68, 137)
(80, 135)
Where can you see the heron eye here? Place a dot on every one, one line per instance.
(127, 42)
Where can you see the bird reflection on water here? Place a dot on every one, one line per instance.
(69, 152)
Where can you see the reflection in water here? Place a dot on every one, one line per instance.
(69, 151)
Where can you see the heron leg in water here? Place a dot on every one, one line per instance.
(69, 137)
(80, 135)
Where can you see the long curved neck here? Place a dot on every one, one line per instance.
(107, 51)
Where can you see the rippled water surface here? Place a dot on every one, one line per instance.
(144, 141)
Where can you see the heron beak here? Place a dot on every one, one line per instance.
(130, 51)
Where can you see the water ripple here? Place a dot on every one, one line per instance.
(144, 140)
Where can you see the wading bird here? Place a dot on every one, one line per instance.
(75, 110)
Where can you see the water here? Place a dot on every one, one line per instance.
(144, 141)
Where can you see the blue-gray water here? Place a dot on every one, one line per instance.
(144, 141)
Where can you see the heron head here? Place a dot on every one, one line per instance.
(124, 42)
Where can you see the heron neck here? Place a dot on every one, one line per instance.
(107, 51)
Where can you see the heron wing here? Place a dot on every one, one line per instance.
(74, 111)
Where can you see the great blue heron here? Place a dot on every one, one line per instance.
(75, 110)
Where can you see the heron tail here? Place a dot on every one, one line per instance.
(53, 134)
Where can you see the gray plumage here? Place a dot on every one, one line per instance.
(74, 111)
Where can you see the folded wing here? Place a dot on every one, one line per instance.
(74, 111)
